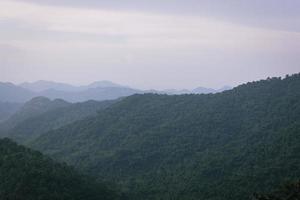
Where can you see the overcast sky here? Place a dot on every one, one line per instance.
(149, 43)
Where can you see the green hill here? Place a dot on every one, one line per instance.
(28, 175)
(33, 108)
(28, 123)
(216, 146)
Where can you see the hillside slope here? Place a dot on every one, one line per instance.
(12, 93)
(28, 175)
(7, 109)
(33, 127)
(31, 122)
(33, 108)
(217, 146)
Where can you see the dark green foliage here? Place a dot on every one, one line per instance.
(216, 146)
(289, 191)
(28, 175)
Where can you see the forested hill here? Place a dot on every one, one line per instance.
(33, 108)
(30, 122)
(28, 175)
(216, 146)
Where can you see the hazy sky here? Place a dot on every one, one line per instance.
(149, 44)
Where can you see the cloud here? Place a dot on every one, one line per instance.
(138, 46)
(273, 14)
(135, 28)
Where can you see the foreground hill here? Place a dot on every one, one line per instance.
(41, 115)
(28, 175)
(216, 146)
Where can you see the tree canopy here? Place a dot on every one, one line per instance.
(215, 146)
(28, 175)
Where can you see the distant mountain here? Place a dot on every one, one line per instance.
(203, 90)
(27, 175)
(101, 90)
(12, 93)
(41, 85)
(208, 146)
(199, 90)
(224, 88)
(32, 108)
(174, 91)
(103, 84)
(98, 94)
(7, 109)
(29, 128)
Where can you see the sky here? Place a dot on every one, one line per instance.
(149, 44)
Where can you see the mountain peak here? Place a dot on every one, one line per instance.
(39, 99)
(35, 107)
(45, 102)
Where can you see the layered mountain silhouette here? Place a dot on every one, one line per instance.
(41, 85)
(101, 90)
(218, 146)
(41, 114)
(208, 146)
(32, 108)
(13, 93)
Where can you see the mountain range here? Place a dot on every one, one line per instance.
(227, 145)
(101, 90)
(41, 85)
(41, 114)
(214, 146)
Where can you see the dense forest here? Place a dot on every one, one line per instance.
(28, 175)
(287, 191)
(215, 146)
